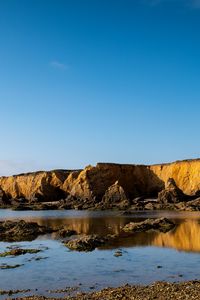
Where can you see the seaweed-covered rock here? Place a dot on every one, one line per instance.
(161, 224)
(18, 251)
(21, 230)
(85, 243)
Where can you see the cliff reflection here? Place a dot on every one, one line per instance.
(186, 236)
(87, 225)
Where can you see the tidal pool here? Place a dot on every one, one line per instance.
(146, 257)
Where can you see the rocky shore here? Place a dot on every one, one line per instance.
(158, 290)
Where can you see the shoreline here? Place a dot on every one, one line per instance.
(158, 290)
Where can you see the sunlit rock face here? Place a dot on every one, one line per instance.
(185, 173)
(93, 182)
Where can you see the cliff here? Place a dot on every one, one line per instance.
(186, 174)
(41, 185)
(92, 182)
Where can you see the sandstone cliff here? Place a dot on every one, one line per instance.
(186, 174)
(92, 182)
(41, 185)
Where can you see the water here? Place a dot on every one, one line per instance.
(147, 257)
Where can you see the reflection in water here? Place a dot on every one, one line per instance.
(185, 237)
(100, 269)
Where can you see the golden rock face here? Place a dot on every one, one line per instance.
(185, 173)
(34, 184)
(136, 180)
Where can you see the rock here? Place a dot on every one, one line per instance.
(85, 243)
(118, 253)
(66, 232)
(93, 182)
(21, 230)
(18, 251)
(38, 186)
(192, 205)
(171, 193)
(11, 292)
(114, 197)
(161, 224)
(6, 266)
(84, 189)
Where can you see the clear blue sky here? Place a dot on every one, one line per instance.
(83, 81)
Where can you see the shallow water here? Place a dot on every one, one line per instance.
(147, 257)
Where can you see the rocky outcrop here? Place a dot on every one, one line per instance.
(21, 230)
(161, 224)
(85, 243)
(171, 193)
(114, 197)
(92, 182)
(186, 174)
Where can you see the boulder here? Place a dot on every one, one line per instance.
(161, 224)
(85, 243)
(21, 230)
(114, 197)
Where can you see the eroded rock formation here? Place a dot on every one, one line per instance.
(88, 188)
(171, 193)
(35, 186)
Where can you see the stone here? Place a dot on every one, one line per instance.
(114, 197)
(66, 232)
(85, 243)
(21, 230)
(171, 193)
(161, 224)
(85, 189)
(118, 253)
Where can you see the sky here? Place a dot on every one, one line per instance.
(87, 81)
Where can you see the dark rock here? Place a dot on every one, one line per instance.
(21, 230)
(118, 253)
(192, 205)
(161, 224)
(4, 201)
(18, 251)
(66, 232)
(11, 292)
(85, 243)
(5, 266)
